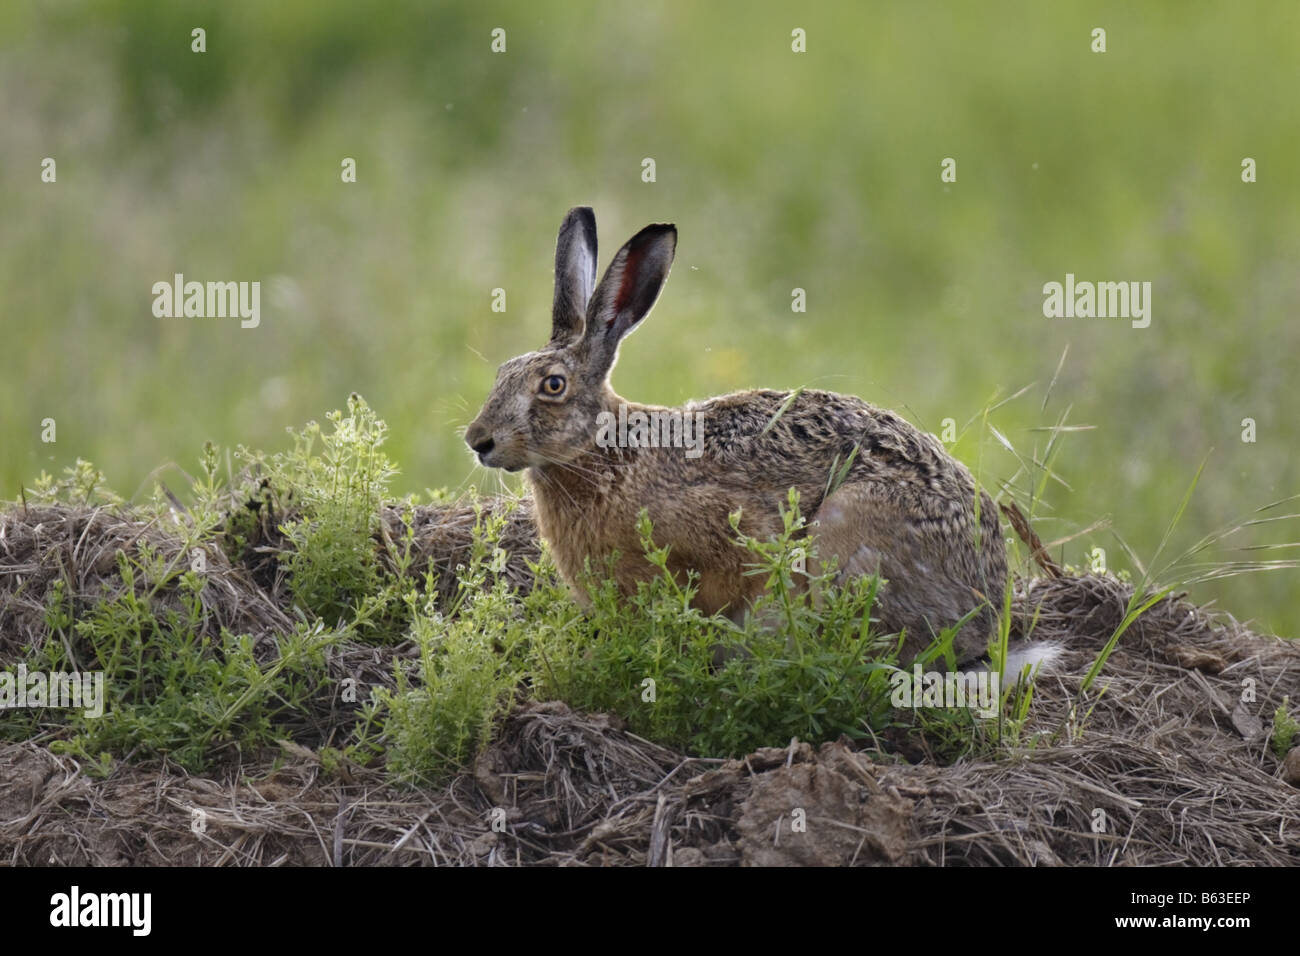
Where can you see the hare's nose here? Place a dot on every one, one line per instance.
(479, 439)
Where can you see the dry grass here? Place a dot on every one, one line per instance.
(39, 545)
(1168, 759)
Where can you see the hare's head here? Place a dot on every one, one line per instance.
(544, 404)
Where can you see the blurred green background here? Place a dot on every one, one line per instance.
(817, 170)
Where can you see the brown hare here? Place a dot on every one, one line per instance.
(904, 508)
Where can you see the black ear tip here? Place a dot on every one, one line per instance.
(655, 231)
(583, 216)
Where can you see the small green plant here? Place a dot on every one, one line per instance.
(169, 690)
(338, 479)
(953, 732)
(805, 663)
(469, 669)
(1285, 728)
(82, 483)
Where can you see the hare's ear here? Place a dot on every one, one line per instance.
(628, 291)
(575, 274)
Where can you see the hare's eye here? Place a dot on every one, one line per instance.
(553, 385)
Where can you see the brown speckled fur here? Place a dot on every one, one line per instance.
(905, 507)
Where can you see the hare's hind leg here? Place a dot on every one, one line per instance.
(868, 529)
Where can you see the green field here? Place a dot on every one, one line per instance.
(817, 170)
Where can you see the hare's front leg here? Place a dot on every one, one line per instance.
(872, 529)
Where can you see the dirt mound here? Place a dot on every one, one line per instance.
(1169, 765)
(80, 546)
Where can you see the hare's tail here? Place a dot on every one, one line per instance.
(1037, 657)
